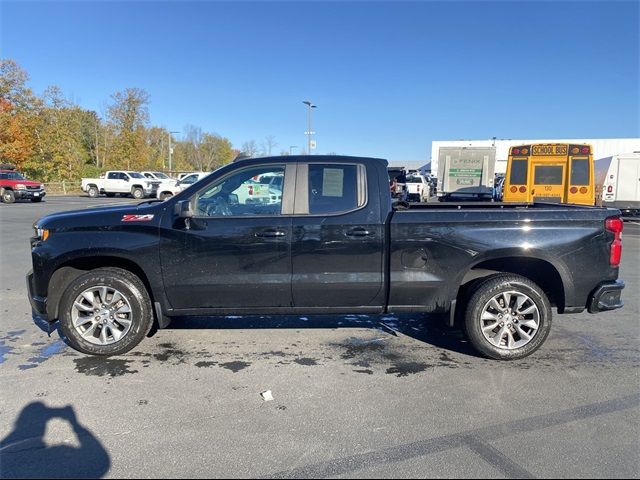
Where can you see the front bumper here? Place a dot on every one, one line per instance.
(38, 304)
(29, 194)
(606, 297)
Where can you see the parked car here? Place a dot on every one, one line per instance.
(418, 189)
(333, 244)
(120, 182)
(275, 186)
(168, 189)
(14, 186)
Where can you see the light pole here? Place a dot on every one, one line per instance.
(170, 150)
(291, 149)
(309, 132)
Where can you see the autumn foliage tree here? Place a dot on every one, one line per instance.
(51, 138)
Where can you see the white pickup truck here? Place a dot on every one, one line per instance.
(122, 182)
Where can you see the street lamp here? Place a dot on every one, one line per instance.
(291, 149)
(309, 132)
(170, 150)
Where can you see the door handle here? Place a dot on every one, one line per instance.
(270, 234)
(358, 232)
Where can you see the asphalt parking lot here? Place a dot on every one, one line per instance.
(354, 396)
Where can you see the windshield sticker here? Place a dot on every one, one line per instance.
(137, 218)
(332, 182)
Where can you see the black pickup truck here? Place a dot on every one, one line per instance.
(327, 240)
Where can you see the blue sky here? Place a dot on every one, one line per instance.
(388, 77)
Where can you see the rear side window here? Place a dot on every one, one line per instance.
(518, 172)
(333, 188)
(580, 171)
(113, 176)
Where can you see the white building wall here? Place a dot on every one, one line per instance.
(602, 147)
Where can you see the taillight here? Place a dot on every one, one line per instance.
(610, 188)
(523, 189)
(513, 189)
(574, 190)
(615, 226)
(583, 190)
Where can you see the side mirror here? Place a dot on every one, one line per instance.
(126, 179)
(183, 209)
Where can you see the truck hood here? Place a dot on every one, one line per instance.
(105, 218)
(28, 183)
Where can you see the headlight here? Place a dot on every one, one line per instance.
(21, 186)
(41, 233)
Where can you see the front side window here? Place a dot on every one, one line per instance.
(241, 194)
(135, 175)
(333, 188)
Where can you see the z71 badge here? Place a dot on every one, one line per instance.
(137, 218)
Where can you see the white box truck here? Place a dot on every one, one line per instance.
(617, 180)
(466, 173)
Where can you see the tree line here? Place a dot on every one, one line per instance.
(51, 138)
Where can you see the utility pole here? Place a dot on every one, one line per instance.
(309, 132)
(170, 151)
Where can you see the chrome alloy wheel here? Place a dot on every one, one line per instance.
(510, 320)
(101, 315)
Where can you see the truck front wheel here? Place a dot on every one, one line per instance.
(508, 317)
(8, 196)
(105, 312)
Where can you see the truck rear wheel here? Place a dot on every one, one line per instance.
(93, 192)
(507, 317)
(105, 312)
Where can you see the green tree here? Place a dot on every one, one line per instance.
(129, 114)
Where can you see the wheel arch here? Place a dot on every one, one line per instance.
(74, 268)
(538, 270)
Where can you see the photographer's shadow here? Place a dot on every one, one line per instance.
(24, 453)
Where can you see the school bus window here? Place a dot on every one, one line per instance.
(580, 171)
(548, 175)
(518, 172)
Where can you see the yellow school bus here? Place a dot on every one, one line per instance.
(558, 173)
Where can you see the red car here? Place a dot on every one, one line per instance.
(13, 186)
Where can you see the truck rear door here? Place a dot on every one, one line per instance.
(338, 238)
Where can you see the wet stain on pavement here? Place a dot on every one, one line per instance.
(205, 364)
(404, 369)
(367, 371)
(236, 366)
(100, 367)
(307, 362)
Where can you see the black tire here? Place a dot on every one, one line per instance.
(93, 192)
(489, 288)
(165, 196)
(111, 195)
(133, 290)
(137, 193)
(36, 200)
(8, 196)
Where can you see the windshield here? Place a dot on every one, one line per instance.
(11, 176)
(135, 175)
(161, 175)
(414, 179)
